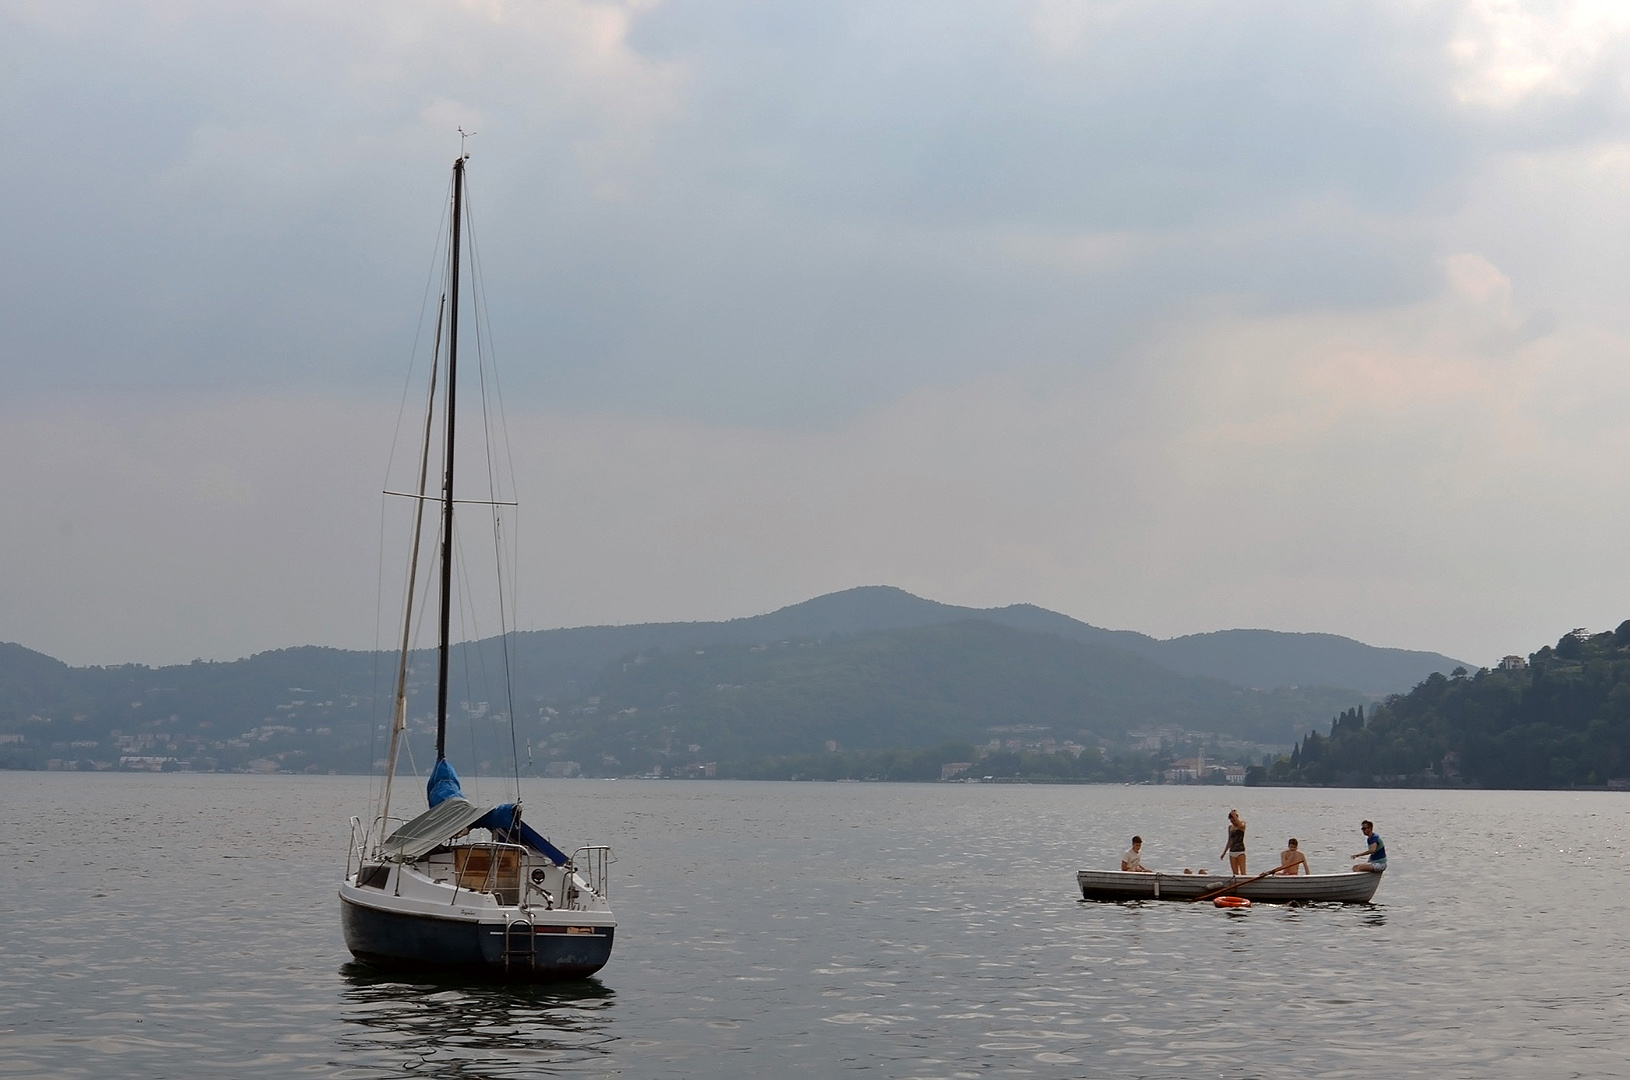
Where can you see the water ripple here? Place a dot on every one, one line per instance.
(192, 931)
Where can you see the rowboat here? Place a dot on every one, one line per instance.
(1348, 888)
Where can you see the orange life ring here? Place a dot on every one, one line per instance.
(1231, 901)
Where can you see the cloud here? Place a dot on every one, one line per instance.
(242, 195)
(1508, 52)
(732, 214)
(1172, 318)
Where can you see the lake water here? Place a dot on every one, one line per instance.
(187, 926)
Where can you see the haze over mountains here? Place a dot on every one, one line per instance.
(873, 667)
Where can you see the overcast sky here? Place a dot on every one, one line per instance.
(1171, 317)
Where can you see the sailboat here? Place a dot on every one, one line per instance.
(464, 886)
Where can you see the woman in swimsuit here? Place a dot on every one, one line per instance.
(1234, 850)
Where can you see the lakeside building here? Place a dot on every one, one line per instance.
(1196, 770)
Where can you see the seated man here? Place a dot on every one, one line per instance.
(1133, 859)
(1377, 851)
(1292, 861)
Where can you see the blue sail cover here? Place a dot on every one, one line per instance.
(504, 820)
(506, 824)
(443, 783)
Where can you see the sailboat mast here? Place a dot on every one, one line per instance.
(447, 473)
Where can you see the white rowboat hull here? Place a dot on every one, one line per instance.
(1348, 888)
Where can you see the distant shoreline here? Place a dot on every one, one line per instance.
(1005, 780)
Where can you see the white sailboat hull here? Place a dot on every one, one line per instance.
(410, 920)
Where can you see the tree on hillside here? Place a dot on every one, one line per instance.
(1563, 721)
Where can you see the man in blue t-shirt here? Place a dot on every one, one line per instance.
(1377, 851)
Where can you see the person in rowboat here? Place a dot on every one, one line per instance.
(1377, 851)
(1133, 859)
(1234, 849)
(1292, 861)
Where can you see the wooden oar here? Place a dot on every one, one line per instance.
(1230, 887)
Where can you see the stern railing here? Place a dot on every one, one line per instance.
(365, 841)
(356, 851)
(592, 863)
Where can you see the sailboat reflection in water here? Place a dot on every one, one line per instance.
(459, 1028)
(433, 892)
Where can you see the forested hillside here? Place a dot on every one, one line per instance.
(734, 705)
(1561, 721)
(969, 682)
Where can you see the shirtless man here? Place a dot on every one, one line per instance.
(1292, 861)
(1133, 859)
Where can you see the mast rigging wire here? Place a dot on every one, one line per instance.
(485, 361)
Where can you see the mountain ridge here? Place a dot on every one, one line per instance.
(1255, 659)
(1251, 658)
(864, 668)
